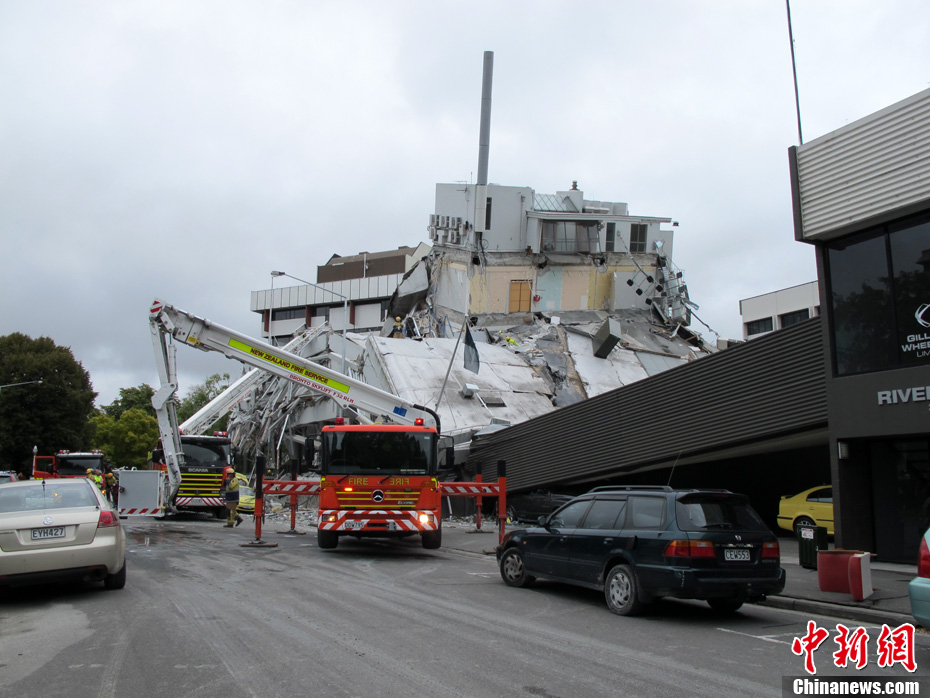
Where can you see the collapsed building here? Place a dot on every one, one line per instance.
(567, 297)
(564, 298)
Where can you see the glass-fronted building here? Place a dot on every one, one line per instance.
(862, 198)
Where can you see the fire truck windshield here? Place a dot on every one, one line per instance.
(359, 452)
(205, 455)
(74, 465)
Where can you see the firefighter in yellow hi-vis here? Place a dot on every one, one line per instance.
(231, 495)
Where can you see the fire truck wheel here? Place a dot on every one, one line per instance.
(221, 512)
(116, 581)
(513, 571)
(327, 540)
(432, 539)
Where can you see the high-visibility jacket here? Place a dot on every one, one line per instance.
(231, 489)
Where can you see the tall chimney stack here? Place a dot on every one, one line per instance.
(484, 146)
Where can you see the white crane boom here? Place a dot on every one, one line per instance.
(208, 415)
(167, 320)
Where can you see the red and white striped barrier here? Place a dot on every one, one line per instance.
(375, 519)
(200, 501)
(470, 489)
(290, 487)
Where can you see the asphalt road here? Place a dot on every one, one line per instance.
(203, 616)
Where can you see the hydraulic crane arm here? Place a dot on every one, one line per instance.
(167, 320)
(208, 415)
(166, 411)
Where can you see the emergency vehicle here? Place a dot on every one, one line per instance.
(205, 458)
(68, 464)
(378, 478)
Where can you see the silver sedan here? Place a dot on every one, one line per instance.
(59, 529)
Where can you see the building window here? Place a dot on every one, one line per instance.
(520, 296)
(879, 289)
(570, 236)
(611, 237)
(638, 238)
(759, 326)
(910, 264)
(321, 311)
(487, 215)
(789, 319)
(288, 314)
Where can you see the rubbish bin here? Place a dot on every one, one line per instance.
(833, 570)
(811, 539)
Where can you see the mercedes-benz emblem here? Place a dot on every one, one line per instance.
(47, 520)
(377, 496)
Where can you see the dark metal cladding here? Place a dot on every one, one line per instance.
(771, 387)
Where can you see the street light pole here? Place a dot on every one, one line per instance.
(345, 309)
(271, 312)
(13, 385)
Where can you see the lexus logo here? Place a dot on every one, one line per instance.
(377, 496)
(921, 312)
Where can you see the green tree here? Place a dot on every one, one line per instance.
(52, 415)
(139, 397)
(128, 440)
(200, 395)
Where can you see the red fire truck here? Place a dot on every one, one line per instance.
(379, 480)
(68, 464)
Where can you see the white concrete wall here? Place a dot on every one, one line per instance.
(506, 232)
(368, 315)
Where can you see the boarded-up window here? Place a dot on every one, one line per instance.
(520, 297)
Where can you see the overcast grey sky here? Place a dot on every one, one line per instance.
(184, 149)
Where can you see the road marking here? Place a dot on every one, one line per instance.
(764, 638)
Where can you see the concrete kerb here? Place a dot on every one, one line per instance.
(868, 616)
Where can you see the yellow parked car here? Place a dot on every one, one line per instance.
(246, 496)
(813, 507)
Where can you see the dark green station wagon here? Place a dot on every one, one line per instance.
(638, 544)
